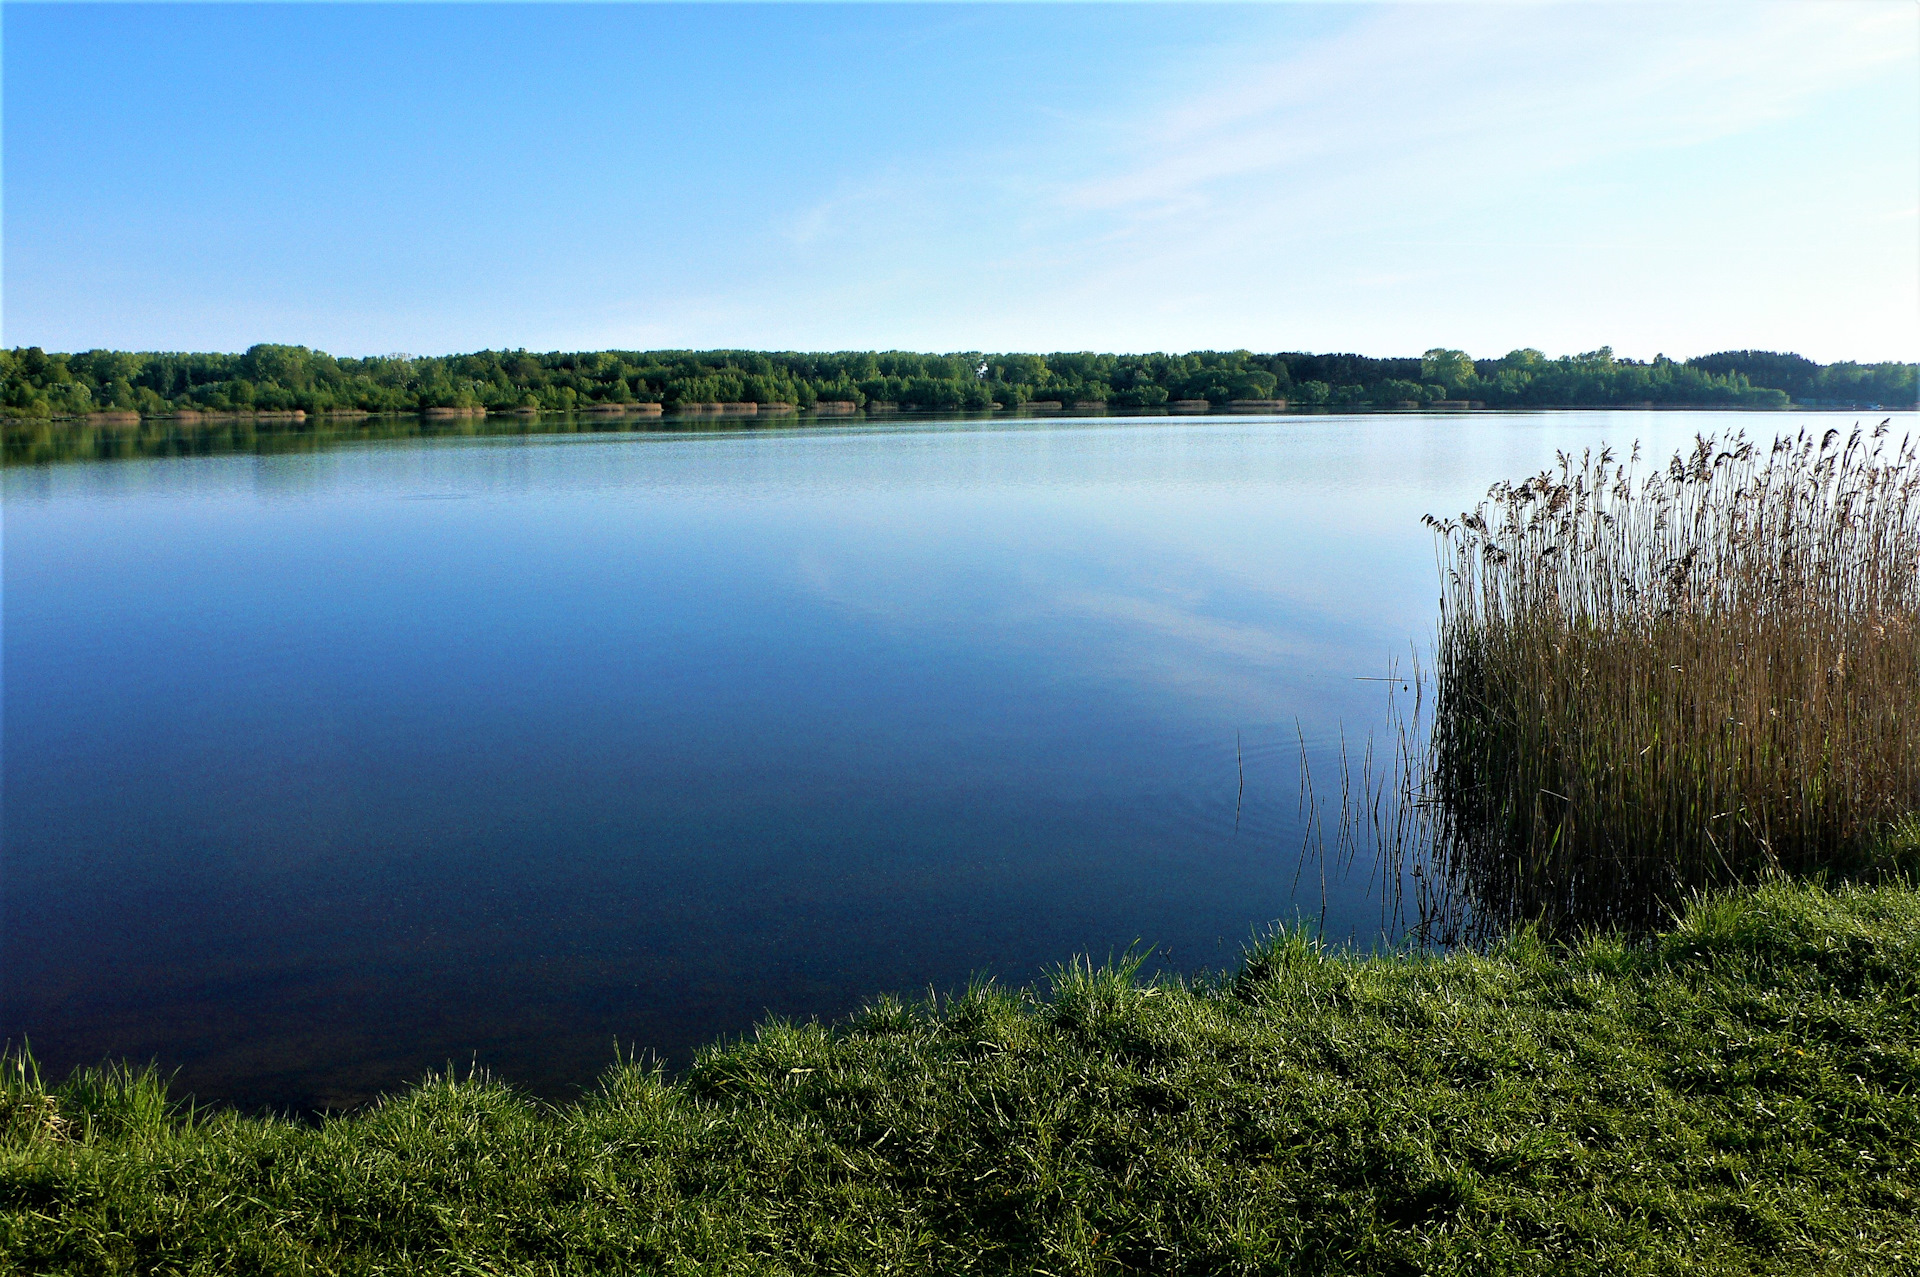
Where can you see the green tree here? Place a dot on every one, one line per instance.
(1450, 368)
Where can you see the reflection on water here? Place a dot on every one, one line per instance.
(38, 442)
(323, 768)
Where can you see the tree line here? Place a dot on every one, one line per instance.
(279, 378)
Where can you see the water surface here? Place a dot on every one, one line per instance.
(322, 770)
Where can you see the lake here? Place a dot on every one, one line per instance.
(325, 769)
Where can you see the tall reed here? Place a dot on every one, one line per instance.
(1651, 683)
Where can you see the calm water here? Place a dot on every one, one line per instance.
(323, 770)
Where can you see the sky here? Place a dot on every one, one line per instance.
(374, 178)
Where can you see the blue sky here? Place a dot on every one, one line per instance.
(368, 178)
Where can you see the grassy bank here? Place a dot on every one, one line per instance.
(1739, 1093)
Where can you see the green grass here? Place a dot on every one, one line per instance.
(1739, 1093)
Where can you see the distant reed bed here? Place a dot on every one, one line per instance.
(1652, 682)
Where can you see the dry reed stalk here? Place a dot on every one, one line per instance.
(1649, 685)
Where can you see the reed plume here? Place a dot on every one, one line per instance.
(1651, 683)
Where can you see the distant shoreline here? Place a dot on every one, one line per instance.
(278, 383)
(1044, 409)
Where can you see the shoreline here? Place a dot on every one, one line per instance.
(1046, 408)
(1736, 1093)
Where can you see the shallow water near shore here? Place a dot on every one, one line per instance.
(324, 769)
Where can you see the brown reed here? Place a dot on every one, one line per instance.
(1646, 685)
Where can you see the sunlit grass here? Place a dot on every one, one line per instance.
(1737, 1094)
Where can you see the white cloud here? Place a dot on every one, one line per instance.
(1484, 176)
(1321, 192)
(1487, 96)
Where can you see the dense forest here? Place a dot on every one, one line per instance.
(273, 378)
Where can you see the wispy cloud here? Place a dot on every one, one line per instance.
(1674, 176)
(1336, 173)
(1485, 97)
